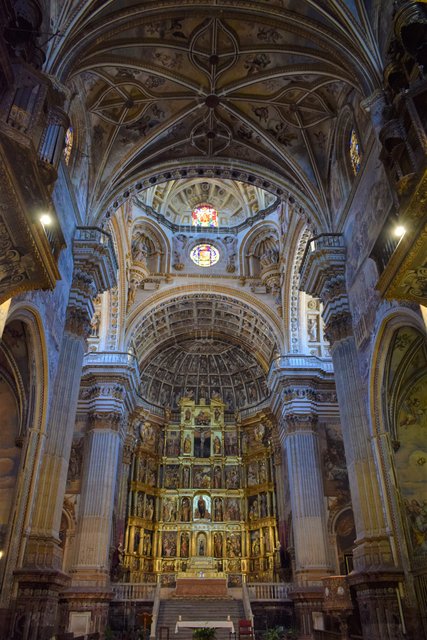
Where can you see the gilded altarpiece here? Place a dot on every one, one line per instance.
(201, 495)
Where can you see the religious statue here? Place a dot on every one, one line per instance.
(187, 444)
(149, 509)
(256, 549)
(203, 418)
(253, 510)
(95, 323)
(140, 504)
(169, 510)
(185, 544)
(201, 507)
(218, 513)
(140, 250)
(186, 477)
(217, 478)
(263, 475)
(202, 546)
(263, 505)
(218, 545)
(185, 509)
(146, 548)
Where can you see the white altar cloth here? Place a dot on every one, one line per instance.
(204, 624)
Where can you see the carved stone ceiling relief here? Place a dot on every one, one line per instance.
(208, 316)
(203, 368)
(205, 82)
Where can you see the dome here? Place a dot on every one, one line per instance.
(235, 202)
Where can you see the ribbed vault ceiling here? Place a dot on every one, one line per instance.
(237, 82)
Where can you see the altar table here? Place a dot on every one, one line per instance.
(204, 624)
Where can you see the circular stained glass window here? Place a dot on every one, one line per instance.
(204, 255)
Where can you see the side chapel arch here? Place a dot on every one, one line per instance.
(398, 413)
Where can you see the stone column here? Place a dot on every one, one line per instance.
(302, 391)
(312, 558)
(323, 275)
(40, 579)
(112, 380)
(90, 590)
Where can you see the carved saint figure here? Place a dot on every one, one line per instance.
(218, 545)
(217, 445)
(185, 544)
(187, 444)
(185, 509)
(201, 507)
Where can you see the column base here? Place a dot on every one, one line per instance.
(36, 608)
(369, 554)
(307, 601)
(5, 623)
(379, 604)
(86, 609)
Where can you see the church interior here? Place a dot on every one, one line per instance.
(213, 314)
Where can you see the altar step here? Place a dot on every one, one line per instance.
(197, 609)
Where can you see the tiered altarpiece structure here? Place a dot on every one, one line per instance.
(201, 499)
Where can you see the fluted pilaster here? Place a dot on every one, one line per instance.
(307, 500)
(94, 272)
(110, 381)
(302, 392)
(97, 501)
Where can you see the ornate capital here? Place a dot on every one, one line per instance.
(109, 382)
(323, 264)
(294, 423)
(106, 420)
(77, 322)
(338, 327)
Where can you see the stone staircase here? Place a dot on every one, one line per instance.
(197, 609)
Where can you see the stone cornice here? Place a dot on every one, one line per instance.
(94, 254)
(323, 275)
(324, 260)
(109, 379)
